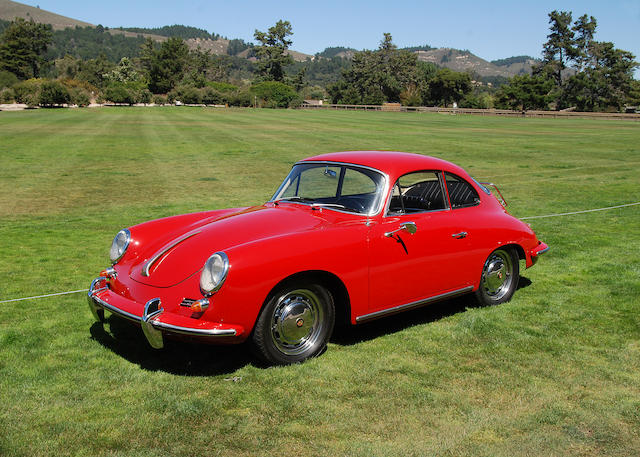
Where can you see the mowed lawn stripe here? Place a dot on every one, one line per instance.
(554, 372)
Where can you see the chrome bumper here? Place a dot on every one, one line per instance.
(150, 322)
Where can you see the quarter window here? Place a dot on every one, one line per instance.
(461, 193)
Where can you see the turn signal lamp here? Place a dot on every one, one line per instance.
(199, 306)
(108, 273)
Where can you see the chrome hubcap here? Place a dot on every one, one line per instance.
(297, 321)
(497, 275)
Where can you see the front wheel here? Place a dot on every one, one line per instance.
(500, 276)
(295, 324)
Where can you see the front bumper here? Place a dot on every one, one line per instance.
(152, 317)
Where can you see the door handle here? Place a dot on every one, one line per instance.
(459, 235)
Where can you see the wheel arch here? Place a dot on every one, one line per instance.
(519, 249)
(330, 281)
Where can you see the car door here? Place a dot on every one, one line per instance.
(404, 267)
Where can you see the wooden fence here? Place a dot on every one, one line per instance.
(479, 112)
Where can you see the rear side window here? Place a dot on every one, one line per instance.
(461, 193)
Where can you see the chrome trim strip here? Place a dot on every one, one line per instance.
(415, 304)
(114, 310)
(154, 259)
(194, 331)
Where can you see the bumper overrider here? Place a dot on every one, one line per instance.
(153, 319)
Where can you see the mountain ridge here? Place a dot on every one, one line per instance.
(454, 59)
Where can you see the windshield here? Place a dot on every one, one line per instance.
(343, 187)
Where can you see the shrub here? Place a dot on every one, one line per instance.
(274, 94)
(144, 96)
(79, 97)
(186, 94)
(160, 99)
(7, 95)
(119, 93)
(222, 87)
(28, 92)
(241, 98)
(211, 96)
(52, 93)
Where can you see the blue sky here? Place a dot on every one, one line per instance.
(489, 29)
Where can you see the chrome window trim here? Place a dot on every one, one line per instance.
(384, 186)
(411, 305)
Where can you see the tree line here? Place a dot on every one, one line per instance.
(576, 71)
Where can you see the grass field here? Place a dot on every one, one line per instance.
(555, 372)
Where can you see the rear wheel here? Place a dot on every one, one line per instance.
(295, 324)
(500, 276)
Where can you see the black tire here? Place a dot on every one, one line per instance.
(499, 279)
(295, 324)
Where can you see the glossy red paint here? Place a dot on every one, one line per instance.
(269, 244)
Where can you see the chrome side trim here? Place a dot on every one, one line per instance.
(415, 304)
(154, 259)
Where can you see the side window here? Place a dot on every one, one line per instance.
(461, 193)
(416, 192)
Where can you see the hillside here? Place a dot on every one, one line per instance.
(445, 57)
(10, 10)
(458, 60)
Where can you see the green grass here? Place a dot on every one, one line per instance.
(554, 372)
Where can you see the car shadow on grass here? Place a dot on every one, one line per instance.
(185, 358)
(182, 358)
(351, 335)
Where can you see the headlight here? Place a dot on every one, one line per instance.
(120, 245)
(214, 273)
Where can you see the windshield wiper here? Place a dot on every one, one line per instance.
(334, 205)
(294, 198)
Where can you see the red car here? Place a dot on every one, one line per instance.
(348, 236)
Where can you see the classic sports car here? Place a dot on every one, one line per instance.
(347, 237)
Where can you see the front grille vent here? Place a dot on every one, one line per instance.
(187, 302)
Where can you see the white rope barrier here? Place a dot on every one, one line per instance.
(580, 212)
(47, 295)
(522, 218)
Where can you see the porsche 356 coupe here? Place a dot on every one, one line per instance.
(347, 237)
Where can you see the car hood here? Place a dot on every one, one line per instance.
(185, 253)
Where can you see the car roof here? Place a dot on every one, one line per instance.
(392, 163)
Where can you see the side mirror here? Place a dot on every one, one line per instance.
(409, 227)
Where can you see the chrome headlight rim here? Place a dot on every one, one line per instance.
(215, 286)
(119, 251)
